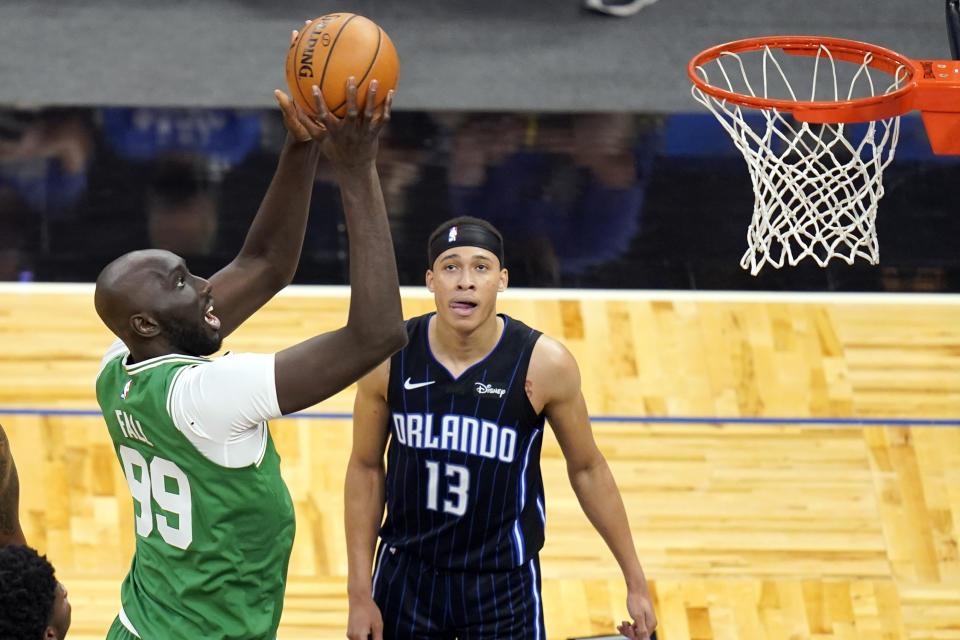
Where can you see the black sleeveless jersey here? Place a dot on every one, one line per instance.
(463, 485)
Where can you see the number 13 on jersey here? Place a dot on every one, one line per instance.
(458, 483)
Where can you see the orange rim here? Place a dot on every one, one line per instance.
(857, 110)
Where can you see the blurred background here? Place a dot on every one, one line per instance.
(126, 125)
(790, 462)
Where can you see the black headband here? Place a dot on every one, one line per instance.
(466, 235)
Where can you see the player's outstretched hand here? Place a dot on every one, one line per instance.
(364, 620)
(301, 126)
(644, 622)
(352, 140)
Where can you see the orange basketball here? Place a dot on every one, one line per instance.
(331, 49)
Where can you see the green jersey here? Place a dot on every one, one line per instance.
(213, 542)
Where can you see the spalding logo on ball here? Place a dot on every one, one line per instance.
(331, 49)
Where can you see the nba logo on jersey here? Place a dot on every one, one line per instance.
(126, 389)
(452, 235)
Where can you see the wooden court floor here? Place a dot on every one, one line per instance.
(802, 524)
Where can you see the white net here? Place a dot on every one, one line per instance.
(817, 185)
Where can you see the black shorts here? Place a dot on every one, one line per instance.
(418, 601)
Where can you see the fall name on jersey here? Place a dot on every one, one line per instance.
(453, 432)
(130, 427)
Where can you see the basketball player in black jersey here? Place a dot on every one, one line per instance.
(463, 409)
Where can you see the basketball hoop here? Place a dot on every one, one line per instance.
(816, 175)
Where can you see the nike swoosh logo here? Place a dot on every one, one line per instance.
(409, 386)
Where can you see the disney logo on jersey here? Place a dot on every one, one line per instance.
(492, 389)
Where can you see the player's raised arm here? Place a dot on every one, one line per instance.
(10, 531)
(319, 367)
(271, 251)
(364, 496)
(554, 370)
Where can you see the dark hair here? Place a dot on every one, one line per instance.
(28, 590)
(444, 228)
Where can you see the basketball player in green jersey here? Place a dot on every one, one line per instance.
(214, 521)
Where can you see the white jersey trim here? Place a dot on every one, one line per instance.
(146, 365)
(116, 349)
(125, 621)
(376, 572)
(537, 631)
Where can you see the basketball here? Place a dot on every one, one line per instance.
(334, 47)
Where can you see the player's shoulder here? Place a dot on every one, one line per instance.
(518, 326)
(551, 358)
(116, 350)
(229, 366)
(553, 372)
(418, 323)
(416, 328)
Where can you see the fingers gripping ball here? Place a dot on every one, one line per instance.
(334, 47)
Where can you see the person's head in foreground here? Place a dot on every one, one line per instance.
(33, 605)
